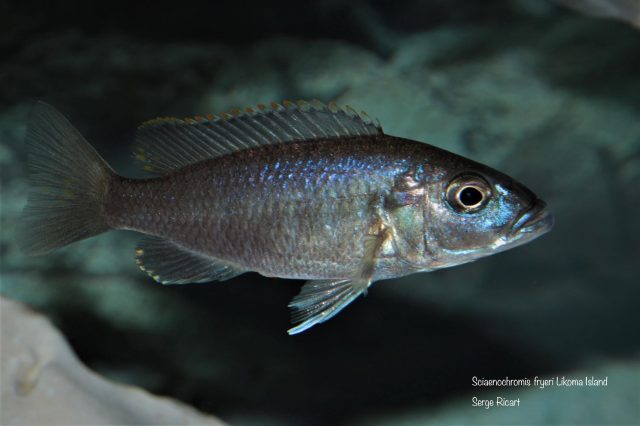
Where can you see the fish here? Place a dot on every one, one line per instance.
(298, 190)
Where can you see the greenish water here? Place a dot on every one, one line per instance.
(537, 91)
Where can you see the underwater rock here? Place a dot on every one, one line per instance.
(624, 10)
(280, 68)
(44, 383)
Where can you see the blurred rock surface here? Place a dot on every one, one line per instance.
(44, 383)
(625, 10)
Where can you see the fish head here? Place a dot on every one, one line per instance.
(472, 211)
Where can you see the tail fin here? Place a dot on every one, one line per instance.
(68, 183)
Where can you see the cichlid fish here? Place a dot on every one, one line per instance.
(299, 190)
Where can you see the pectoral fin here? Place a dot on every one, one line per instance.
(320, 300)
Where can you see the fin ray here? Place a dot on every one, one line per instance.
(166, 144)
(68, 182)
(170, 263)
(320, 300)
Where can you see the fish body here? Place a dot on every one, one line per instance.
(302, 191)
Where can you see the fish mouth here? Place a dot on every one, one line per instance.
(534, 221)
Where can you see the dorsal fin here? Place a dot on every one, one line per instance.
(165, 144)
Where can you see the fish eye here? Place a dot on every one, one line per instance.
(468, 193)
(470, 196)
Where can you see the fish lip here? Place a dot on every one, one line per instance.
(536, 219)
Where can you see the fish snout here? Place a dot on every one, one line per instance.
(536, 220)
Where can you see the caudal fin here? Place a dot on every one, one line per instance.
(68, 182)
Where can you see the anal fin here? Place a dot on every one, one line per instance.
(169, 263)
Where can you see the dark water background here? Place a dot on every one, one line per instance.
(529, 87)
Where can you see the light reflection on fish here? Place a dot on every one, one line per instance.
(306, 191)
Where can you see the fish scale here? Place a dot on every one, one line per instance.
(276, 219)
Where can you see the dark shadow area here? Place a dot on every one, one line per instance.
(239, 22)
(378, 355)
(596, 58)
